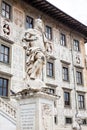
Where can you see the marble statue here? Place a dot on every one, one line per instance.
(77, 124)
(37, 47)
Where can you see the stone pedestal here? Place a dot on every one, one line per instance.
(35, 111)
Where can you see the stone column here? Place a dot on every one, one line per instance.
(35, 111)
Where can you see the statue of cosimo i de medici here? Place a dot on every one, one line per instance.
(37, 48)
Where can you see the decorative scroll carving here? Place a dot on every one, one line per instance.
(6, 29)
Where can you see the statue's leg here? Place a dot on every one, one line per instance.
(38, 64)
(35, 69)
(38, 73)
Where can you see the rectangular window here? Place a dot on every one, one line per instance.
(3, 87)
(81, 101)
(68, 120)
(66, 98)
(49, 32)
(79, 77)
(6, 10)
(4, 54)
(55, 119)
(51, 91)
(50, 71)
(76, 45)
(84, 121)
(62, 39)
(65, 74)
(29, 22)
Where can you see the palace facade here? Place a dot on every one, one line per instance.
(65, 73)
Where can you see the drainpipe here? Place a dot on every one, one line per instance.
(74, 79)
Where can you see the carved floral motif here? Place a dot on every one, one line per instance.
(6, 30)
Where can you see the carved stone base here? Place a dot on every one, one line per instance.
(36, 84)
(35, 112)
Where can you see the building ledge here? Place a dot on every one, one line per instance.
(6, 40)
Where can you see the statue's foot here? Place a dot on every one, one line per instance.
(32, 77)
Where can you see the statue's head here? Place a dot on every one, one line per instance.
(39, 23)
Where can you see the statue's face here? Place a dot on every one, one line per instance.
(39, 23)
